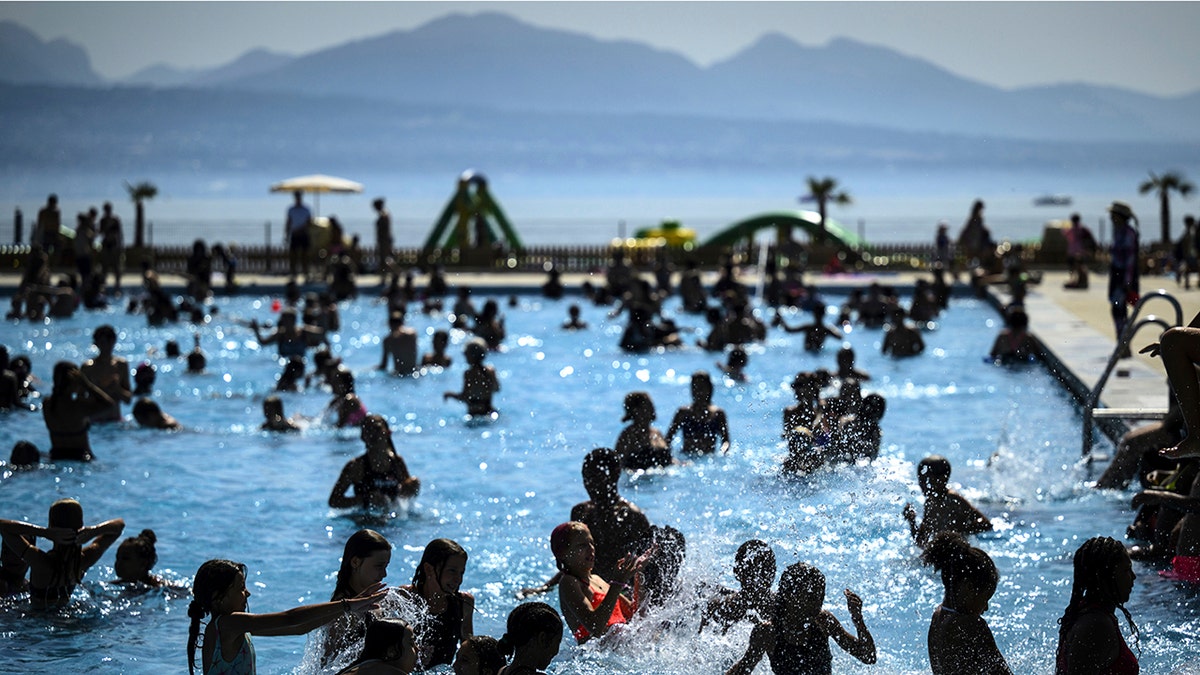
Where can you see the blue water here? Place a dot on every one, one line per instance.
(592, 208)
(220, 488)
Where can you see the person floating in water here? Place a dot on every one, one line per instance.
(379, 476)
(796, 638)
(945, 509)
(479, 381)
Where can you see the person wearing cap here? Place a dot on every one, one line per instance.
(1123, 269)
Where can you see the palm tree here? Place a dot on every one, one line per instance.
(140, 193)
(824, 191)
(1171, 180)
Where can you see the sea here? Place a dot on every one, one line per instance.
(585, 207)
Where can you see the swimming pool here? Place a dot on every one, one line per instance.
(221, 488)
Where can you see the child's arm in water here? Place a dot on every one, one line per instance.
(861, 647)
(298, 620)
(762, 640)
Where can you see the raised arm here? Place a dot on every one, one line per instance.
(862, 646)
(101, 537)
(300, 620)
(762, 639)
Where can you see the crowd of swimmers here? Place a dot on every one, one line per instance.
(614, 565)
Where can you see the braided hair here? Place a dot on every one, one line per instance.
(1095, 562)
(213, 580)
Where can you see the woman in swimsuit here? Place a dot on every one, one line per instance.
(960, 641)
(1089, 637)
(641, 446)
(67, 409)
(702, 423)
(220, 590)
(54, 574)
(364, 564)
(379, 476)
(590, 604)
(451, 611)
(532, 638)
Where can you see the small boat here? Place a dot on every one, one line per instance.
(1052, 200)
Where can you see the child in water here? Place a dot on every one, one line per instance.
(451, 611)
(479, 381)
(365, 560)
(389, 649)
(54, 574)
(960, 640)
(136, 556)
(754, 567)
(796, 638)
(220, 590)
(480, 655)
(945, 509)
(590, 604)
(533, 634)
(273, 417)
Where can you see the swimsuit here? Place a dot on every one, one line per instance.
(808, 655)
(1125, 663)
(377, 487)
(443, 632)
(242, 663)
(707, 429)
(1184, 568)
(621, 613)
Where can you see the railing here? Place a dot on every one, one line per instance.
(1132, 326)
(567, 258)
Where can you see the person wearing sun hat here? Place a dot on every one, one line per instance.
(1123, 269)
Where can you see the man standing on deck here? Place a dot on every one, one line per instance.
(1123, 272)
(383, 238)
(112, 246)
(298, 220)
(49, 220)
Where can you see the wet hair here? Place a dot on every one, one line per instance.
(360, 545)
(934, 466)
(382, 635)
(960, 562)
(61, 382)
(753, 553)
(487, 649)
(146, 411)
(437, 553)
(635, 400)
(67, 559)
(24, 454)
(798, 579)
(272, 405)
(143, 543)
(561, 536)
(527, 621)
(1095, 564)
(104, 331)
(872, 407)
(213, 580)
(601, 460)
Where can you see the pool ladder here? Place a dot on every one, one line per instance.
(1090, 411)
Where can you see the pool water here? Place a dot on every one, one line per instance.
(222, 488)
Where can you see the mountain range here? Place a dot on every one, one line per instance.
(490, 84)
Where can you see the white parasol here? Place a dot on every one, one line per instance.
(316, 184)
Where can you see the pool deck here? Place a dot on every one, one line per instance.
(1074, 325)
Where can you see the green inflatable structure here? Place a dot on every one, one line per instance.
(809, 221)
(472, 219)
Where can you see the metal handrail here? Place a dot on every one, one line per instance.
(1131, 329)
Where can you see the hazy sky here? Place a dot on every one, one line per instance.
(1147, 46)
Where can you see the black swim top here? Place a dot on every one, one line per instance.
(377, 487)
(443, 632)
